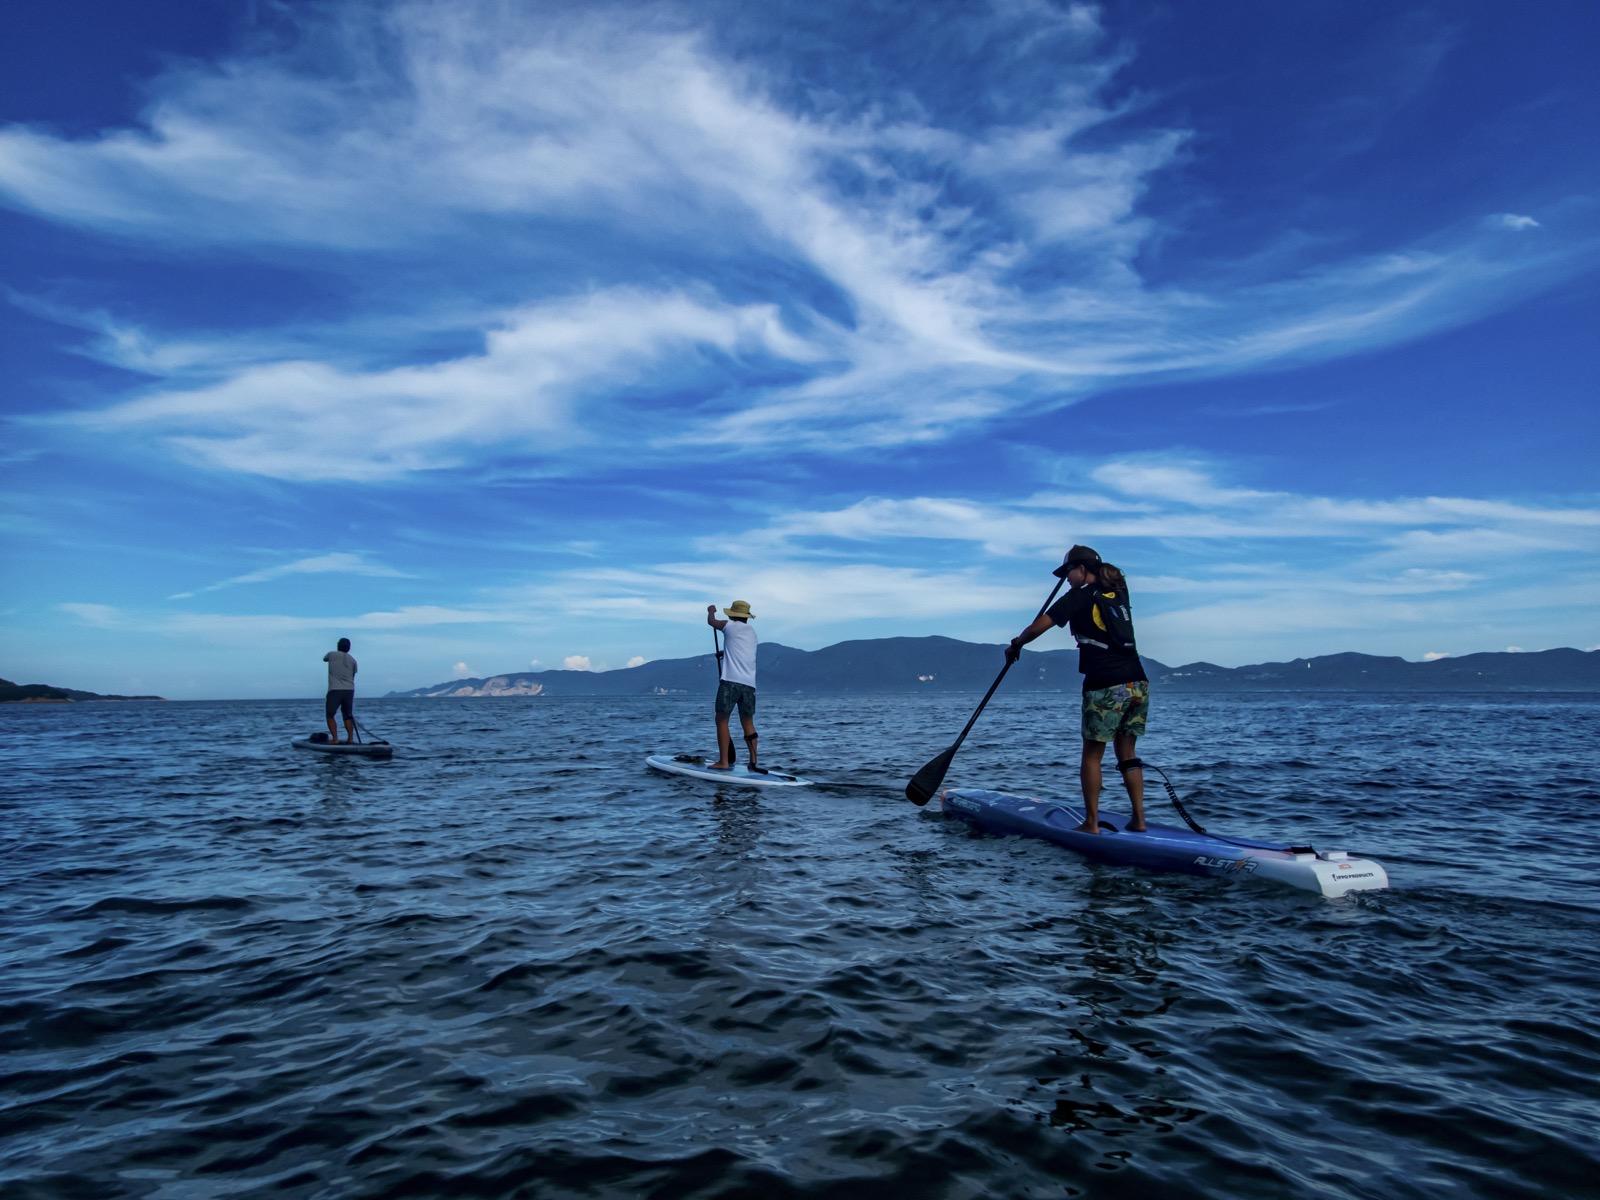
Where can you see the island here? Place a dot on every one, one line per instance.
(44, 693)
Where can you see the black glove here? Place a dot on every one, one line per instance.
(1013, 651)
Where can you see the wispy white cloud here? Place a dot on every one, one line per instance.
(1165, 497)
(1344, 572)
(339, 562)
(245, 626)
(100, 616)
(880, 519)
(521, 391)
(867, 274)
(1304, 573)
(576, 662)
(1514, 221)
(812, 593)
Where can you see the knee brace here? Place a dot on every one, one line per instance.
(1129, 764)
(751, 738)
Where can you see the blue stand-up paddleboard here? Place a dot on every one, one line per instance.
(1165, 847)
(319, 742)
(738, 775)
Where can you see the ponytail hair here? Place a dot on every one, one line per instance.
(1112, 579)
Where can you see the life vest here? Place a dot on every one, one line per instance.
(1113, 618)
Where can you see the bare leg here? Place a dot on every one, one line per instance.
(1133, 780)
(333, 731)
(349, 730)
(724, 744)
(749, 739)
(1089, 775)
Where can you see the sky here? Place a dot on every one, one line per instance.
(505, 336)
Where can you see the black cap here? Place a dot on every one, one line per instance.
(1077, 555)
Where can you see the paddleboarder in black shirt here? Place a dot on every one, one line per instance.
(1116, 691)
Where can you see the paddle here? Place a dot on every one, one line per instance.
(926, 781)
(733, 756)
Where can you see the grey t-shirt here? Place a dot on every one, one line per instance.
(341, 671)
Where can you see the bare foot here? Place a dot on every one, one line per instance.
(1085, 828)
(1133, 829)
(719, 766)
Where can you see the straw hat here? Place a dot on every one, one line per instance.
(739, 608)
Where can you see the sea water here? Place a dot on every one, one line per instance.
(513, 962)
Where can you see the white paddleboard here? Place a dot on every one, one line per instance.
(737, 775)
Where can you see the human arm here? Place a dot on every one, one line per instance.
(1043, 623)
(711, 618)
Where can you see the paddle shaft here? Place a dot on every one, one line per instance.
(716, 642)
(931, 776)
(973, 720)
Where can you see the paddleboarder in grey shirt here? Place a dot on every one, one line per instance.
(341, 690)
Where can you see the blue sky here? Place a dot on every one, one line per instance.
(500, 336)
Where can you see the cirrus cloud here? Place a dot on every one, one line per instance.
(846, 271)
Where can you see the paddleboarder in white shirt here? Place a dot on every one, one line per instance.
(736, 670)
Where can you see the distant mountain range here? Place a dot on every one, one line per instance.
(43, 692)
(940, 664)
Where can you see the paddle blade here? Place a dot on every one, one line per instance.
(925, 783)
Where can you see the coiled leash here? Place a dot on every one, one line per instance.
(750, 744)
(1129, 764)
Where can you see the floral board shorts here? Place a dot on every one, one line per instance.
(1113, 710)
(736, 695)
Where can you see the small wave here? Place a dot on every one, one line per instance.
(139, 905)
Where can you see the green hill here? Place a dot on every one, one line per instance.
(44, 693)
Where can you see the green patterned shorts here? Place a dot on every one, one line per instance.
(1113, 710)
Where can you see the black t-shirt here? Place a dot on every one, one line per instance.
(1102, 668)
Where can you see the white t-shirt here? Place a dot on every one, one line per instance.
(739, 661)
(341, 671)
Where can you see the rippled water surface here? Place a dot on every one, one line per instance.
(512, 962)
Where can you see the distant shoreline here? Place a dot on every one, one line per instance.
(1000, 697)
(945, 666)
(74, 700)
(44, 693)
